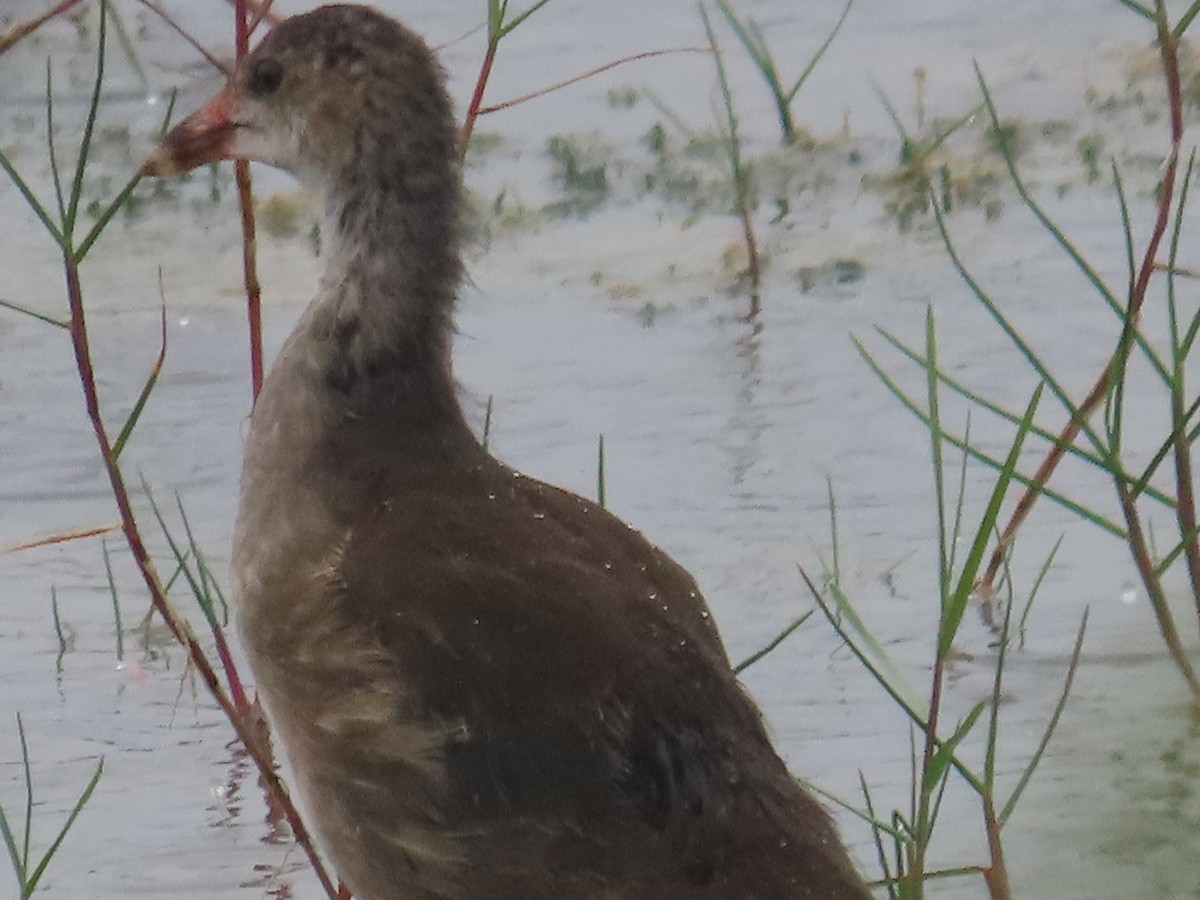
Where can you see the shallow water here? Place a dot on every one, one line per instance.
(720, 436)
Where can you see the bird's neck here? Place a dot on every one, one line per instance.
(383, 322)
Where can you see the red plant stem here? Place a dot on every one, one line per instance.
(218, 64)
(753, 266)
(262, 11)
(1168, 47)
(24, 29)
(987, 584)
(917, 869)
(241, 29)
(61, 538)
(485, 71)
(149, 573)
(995, 875)
(241, 170)
(1158, 600)
(559, 85)
(1185, 498)
(237, 692)
(1137, 297)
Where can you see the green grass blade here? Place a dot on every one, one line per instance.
(1185, 20)
(914, 783)
(993, 729)
(1062, 500)
(214, 585)
(210, 586)
(1012, 418)
(89, 127)
(180, 558)
(1037, 584)
(899, 823)
(883, 664)
(1142, 483)
(1166, 562)
(689, 134)
(105, 216)
(50, 148)
(772, 644)
(850, 808)
(58, 629)
(112, 590)
(1194, 433)
(1126, 228)
(943, 134)
(28, 835)
(495, 16)
(1043, 372)
(820, 54)
(915, 153)
(33, 313)
(31, 199)
(14, 854)
(960, 503)
(755, 44)
(937, 803)
(835, 569)
(889, 686)
(729, 133)
(1138, 8)
(1050, 726)
(601, 484)
(117, 202)
(897, 123)
(764, 60)
(1055, 232)
(1114, 400)
(199, 584)
(868, 663)
(933, 412)
(983, 536)
(752, 40)
(127, 46)
(62, 833)
(939, 764)
(203, 585)
(170, 582)
(1178, 346)
(877, 832)
(521, 17)
(147, 388)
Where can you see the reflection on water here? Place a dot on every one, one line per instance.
(747, 422)
(720, 435)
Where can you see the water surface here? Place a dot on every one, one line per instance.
(721, 435)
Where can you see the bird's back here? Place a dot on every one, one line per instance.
(496, 689)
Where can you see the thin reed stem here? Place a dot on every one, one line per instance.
(481, 80)
(245, 192)
(1168, 48)
(24, 29)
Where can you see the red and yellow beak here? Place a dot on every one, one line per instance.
(203, 137)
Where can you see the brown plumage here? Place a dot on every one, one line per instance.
(487, 688)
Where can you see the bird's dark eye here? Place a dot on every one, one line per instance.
(265, 77)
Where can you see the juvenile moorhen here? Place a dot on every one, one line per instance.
(487, 688)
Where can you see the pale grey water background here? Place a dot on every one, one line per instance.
(719, 438)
